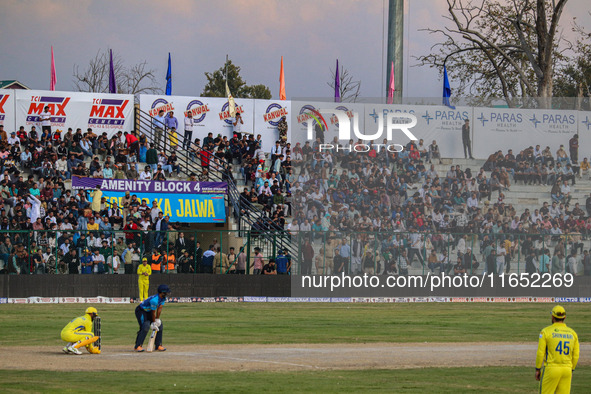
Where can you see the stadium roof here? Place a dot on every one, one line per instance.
(12, 84)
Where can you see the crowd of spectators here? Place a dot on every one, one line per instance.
(375, 212)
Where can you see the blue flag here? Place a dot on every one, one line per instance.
(337, 85)
(112, 81)
(446, 90)
(168, 78)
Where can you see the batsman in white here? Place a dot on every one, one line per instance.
(148, 317)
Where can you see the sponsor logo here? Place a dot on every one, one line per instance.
(521, 299)
(501, 119)
(160, 105)
(255, 299)
(198, 110)
(566, 299)
(57, 108)
(306, 114)
(68, 300)
(273, 113)
(3, 99)
(335, 120)
(586, 122)
(225, 113)
(479, 299)
(336, 299)
(460, 299)
(554, 121)
(107, 112)
(3, 300)
(584, 299)
(543, 299)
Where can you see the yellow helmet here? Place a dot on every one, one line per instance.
(91, 310)
(558, 312)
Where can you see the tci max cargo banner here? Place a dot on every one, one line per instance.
(186, 202)
(101, 112)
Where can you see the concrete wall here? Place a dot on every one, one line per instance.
(20, 286)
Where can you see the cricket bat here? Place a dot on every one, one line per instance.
(152, 340)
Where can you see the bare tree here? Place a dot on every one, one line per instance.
(507, 48)
(130, 80)
(349, 90)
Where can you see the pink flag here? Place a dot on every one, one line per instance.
(391, 88)
(53, 79)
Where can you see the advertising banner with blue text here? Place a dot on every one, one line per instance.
(438, 123)
(101, 112)
(7, 110)
(506, 128)
(210, 114)
(266, 115)
(183, 208)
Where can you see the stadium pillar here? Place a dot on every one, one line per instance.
(395, 46)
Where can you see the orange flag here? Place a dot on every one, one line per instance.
(282, 95)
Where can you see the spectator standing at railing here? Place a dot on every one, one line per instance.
(152, 157)
(188, 127)
(158, 123)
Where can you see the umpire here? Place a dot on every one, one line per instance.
(147, 314)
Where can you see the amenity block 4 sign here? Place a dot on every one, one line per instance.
(504, 128)
(183, 201)
(101, 112)
(7, 110)
(210, 114)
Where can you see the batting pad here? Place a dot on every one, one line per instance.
(86, 342)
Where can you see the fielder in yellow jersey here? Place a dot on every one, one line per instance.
(558, 351)
(79, 333)
(144, 271)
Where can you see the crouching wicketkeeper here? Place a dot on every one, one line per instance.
(79, 333)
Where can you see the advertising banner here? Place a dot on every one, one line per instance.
(506, 128)
(301, 115)
(186, 202)
(266, 115)
(7, 110)
(101, 112)
(184, 208)
(210, 114)
(175, 187)
(438, 123)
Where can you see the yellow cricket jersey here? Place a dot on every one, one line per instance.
(141, 270)
(79, 324)
(558, 346)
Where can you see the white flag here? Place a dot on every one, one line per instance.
(231, 103)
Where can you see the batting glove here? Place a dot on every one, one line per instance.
(158, 323)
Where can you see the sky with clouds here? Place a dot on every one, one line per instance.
(309, 34)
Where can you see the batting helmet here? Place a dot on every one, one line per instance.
(91, 310)
(163, 289)
(558, 312)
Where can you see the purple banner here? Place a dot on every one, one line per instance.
(176, 187)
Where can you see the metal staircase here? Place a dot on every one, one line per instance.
(255, 221)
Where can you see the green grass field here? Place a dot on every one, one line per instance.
(203, 324)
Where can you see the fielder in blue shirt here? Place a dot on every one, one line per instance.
(148, 316)
(282, 263)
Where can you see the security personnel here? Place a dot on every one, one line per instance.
(148, 316)
(78, 333)
(144, 271)
(558, 350)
